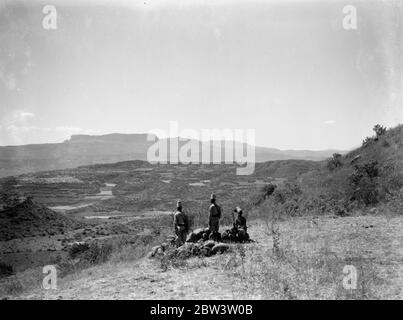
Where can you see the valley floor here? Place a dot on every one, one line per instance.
(308, 265)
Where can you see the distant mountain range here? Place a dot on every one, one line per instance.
(87, 149)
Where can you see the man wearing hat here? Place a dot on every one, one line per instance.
(181, 224)
(214, 217)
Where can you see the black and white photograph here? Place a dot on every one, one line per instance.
(201, 150)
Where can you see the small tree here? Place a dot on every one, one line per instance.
(379, 130)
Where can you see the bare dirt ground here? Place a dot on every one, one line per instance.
(309, 265)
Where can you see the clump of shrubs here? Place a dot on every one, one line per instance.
(6, 270)
(290, 191)
(361, 188)
(334, 162)
(285, 200)
(268, 190)
(78, 248)
(367, 141)
(264, 193)
(364, 184)
(379, 131)
(91, 254)
(343, 185)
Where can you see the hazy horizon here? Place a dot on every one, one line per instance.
(180, 137)
(292, 73)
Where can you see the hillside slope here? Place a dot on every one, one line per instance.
(368, 175)
(311, 267)
(30, 219)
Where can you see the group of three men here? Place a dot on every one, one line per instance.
(181, 222)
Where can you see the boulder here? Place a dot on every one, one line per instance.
(164, 245)
(191, 237)
(156, 250)
(209, 244)
(220, 248)
(201, 230)
(205, 251)
(171, 239)
(186, 250)
(195, 236)
(206, 233)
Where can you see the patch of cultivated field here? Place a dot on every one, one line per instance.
(306, 262)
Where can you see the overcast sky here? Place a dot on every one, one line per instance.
(285, 68)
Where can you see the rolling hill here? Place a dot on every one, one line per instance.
(86, 150)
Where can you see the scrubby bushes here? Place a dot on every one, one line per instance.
(334, 162)
(98, 253)
(366, 177)
(364, 184)
(379, 131)
(284, 200)
(290, 191)
(5, 270)
(264, 193)
(394, 203)
(9, 195)
(367, 141)
(82, 255)
(268, 190)
(78, 248)
(337, 194)
(91, 254)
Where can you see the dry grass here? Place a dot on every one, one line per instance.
(310, 266)
(21, 282)
(307, 260)
(105, 255)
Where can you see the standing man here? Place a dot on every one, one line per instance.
(181, 224)
(214, 218)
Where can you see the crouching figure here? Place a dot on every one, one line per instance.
(239, 231)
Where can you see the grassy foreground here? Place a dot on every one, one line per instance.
(306, 262)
